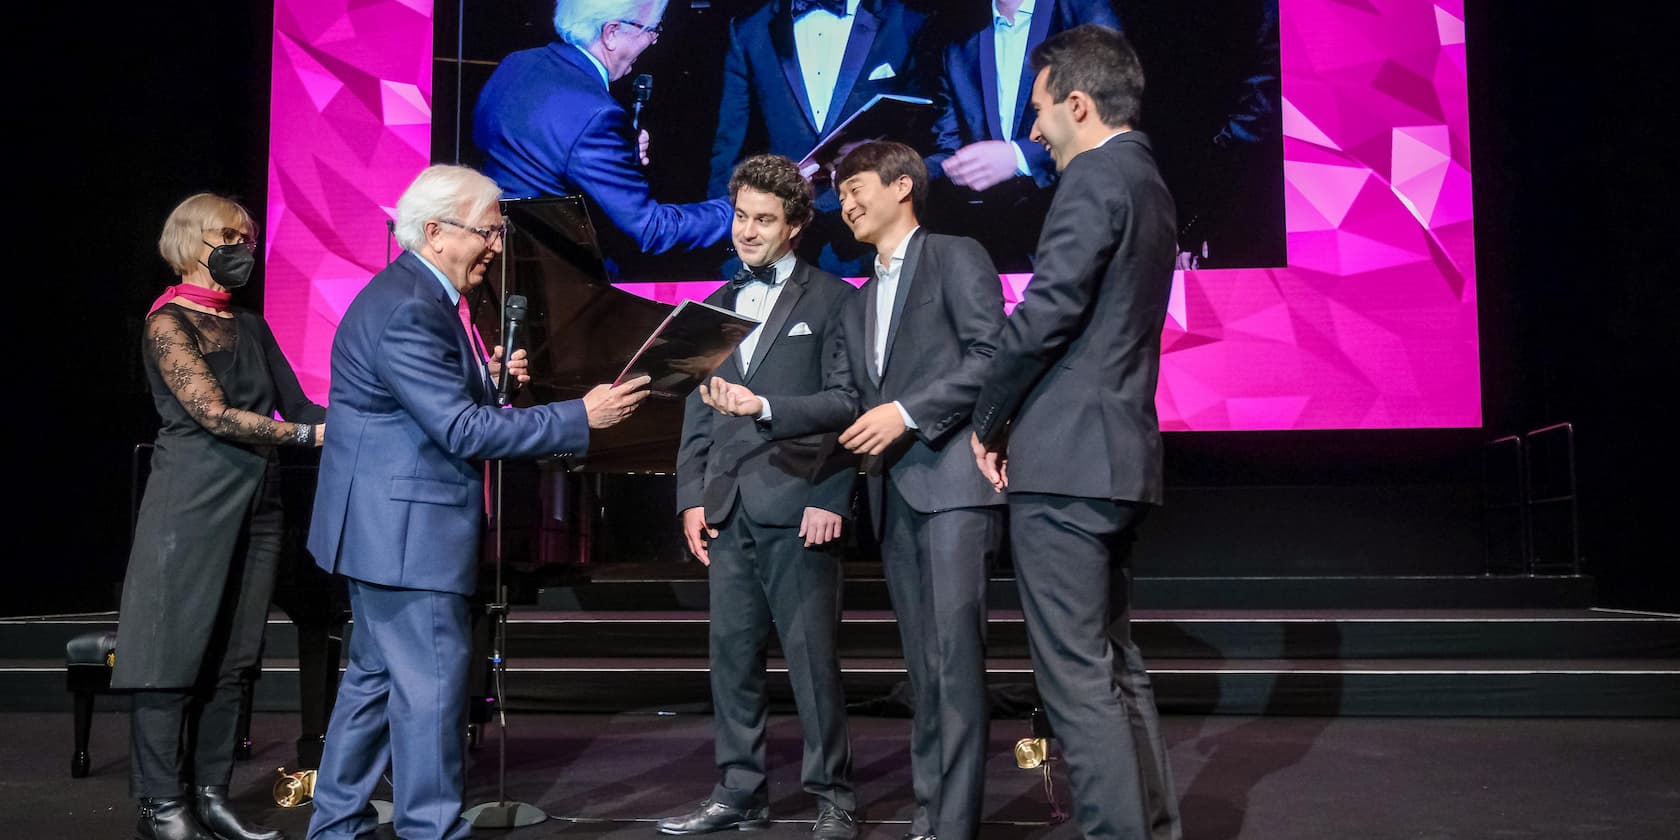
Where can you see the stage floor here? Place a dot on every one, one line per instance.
(1254, 778)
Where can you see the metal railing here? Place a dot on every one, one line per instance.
(1531, 505)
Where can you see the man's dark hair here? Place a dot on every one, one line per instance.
(779, 177)
(890, 161)
(1099, 62)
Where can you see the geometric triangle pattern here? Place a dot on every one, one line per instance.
(1371, 324)
(350, 126)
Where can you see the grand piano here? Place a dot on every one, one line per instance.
(617, 503)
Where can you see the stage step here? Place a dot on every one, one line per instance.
(1175, 634)
(683, 587)
(1308, 662)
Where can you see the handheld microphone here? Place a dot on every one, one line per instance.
(513, 312)
(644, 92)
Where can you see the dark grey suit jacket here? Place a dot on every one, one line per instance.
(947, 314)
(1073, 378)
(723, 459)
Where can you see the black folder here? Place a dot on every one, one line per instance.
(888, 116)
(692, 342)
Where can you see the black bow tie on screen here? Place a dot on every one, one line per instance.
(747, 274)
(833, 7)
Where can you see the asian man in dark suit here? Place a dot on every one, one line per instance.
(546, 124)
(917, 338)
(990, 181)
(399, 504)
(1066, 423)
(764, 515)
(794, 70)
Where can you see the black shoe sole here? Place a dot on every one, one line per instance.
(744, 825)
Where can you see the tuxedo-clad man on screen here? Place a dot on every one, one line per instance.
(765, 515)
(796, 69)
(990, 180)
(917, 338)
(1066, 424)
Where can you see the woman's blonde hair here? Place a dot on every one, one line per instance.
(184, 232)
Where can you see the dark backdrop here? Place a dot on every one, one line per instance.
(123, 112)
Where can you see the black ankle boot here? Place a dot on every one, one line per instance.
(214, 813)
(169, 819)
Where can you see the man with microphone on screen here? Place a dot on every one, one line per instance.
(547, 124)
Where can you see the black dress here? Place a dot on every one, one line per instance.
(196, 593)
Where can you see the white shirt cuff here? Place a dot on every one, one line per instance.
(763, 410)
(1021, 167)
(906, 415)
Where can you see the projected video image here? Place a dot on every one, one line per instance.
(710, 83)
(1319, 148)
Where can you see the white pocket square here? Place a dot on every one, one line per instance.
(884, 71)
(800, 328)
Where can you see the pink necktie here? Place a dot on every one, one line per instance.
(473, 338)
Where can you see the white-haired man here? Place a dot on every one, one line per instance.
(546, 124)
(398, 507)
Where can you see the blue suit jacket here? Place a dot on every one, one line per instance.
(546, 125)
(764, 107)
(968, 96)
(410, 418)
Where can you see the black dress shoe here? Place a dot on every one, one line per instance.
(214, 813)
(715, 816)
(834, 824)
(169, 819)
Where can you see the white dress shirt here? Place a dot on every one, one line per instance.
(757, 301)
(819, 39)
(1009, 39)
(886, 291)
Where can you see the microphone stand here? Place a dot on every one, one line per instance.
(501, 812)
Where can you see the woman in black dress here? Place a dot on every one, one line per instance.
(196, 594)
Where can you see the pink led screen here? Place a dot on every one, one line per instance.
(1372, 324)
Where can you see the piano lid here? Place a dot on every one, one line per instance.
(579, 330)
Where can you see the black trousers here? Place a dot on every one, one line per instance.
(1069, 554)
(177, 738)
(762, 575)
(935, 565)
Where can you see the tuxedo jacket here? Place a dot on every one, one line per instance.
(724, 461)
(968, 88)
(545, 124)
(764, 106)
(411, 418)
(1073, 378)
(947, 312)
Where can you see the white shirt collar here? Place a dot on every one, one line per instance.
(899, 252)
(599, 67)
(1112, 136)
(448, 287)
(1025, 11)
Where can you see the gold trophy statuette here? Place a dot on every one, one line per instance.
(1031, 752)
(293, 790)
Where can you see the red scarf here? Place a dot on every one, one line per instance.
(197, 294)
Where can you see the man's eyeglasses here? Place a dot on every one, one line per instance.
(491, 235)
(653, 30)
(234, 236)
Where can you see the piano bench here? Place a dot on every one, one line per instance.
(88, 661)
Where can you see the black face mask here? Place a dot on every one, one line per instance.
(231, 265)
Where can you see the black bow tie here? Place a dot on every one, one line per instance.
(747, 274)
(833, 7)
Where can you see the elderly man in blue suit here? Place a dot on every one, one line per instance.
(796, 69)
(399, 503)
(991, 181)
(546, 124)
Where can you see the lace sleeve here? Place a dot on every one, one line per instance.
(181, 364)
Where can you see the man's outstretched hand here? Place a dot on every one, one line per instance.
(608, 405)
